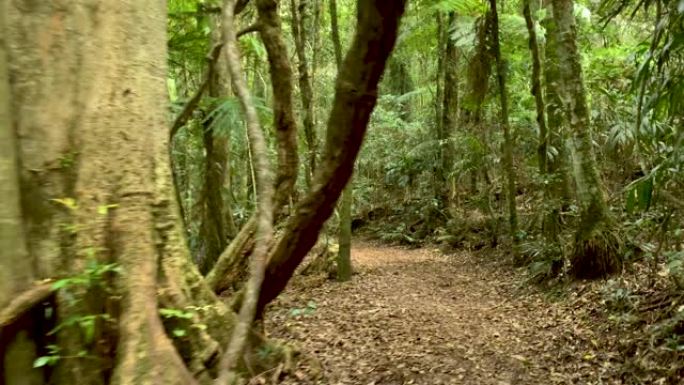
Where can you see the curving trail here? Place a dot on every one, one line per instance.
(418, 316)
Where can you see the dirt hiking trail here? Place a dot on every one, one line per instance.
(419, 316)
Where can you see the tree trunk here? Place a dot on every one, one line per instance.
(213, 234)
(558, 189)
(442, 38)
(17, 349)
(344, 265)
(264, 209)
(536, 87)
(355, 98)
(508, 140)
(230, 269)
(449, 109)
(301, 33)
(479, 70)
(399, 81)
(92, 135)
(597, 244)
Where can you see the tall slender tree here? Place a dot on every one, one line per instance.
(597, 244)
(556, 176)
(301, 31)
(449, 106)
(344, 265)
(511, 191)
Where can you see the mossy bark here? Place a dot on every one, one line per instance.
(301, 32)
(596, 245)
(557, 181)
(479, 71)
(96, 186)
(17, 349)
(344, 264)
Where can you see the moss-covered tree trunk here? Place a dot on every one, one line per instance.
(264, 208)
(88, 92)
(536, 87)
(344, 264)
(400, 83)
(597, 245)
(557, 183)
(217, 225)
(301, 33)
(442, 37)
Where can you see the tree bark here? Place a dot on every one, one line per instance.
(264, 209)
(508, 140)
(355, 98)
(536, 88)
(344, 265)
(231, 267)
(479, 71)
(96, 187)
(17, 349)
(596, 245)
(558, 188)
(301, 33)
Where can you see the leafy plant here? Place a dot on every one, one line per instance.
(306, 311)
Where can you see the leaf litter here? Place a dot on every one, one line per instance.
(420, 316)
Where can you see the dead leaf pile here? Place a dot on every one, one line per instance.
(418, 316)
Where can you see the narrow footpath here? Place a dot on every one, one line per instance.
(419, 316)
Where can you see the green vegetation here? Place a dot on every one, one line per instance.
(167, 170)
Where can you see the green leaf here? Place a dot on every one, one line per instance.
(104, 209)
(179, 332)
(69, 203)
(42, 361)
(62, 283)
(645, 193)
(88, 326)
(295, 312)
(175, 313)
(631, 200)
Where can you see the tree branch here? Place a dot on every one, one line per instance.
(355, 98)
(252, 28)
(192, 104)
(230, 266)
(264, 217)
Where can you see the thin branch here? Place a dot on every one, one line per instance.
(264, 231)
(192, 104)
(252, 28)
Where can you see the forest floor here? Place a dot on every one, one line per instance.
(420, 316)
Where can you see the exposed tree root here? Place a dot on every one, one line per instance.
(24, 302)
(596, 253)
